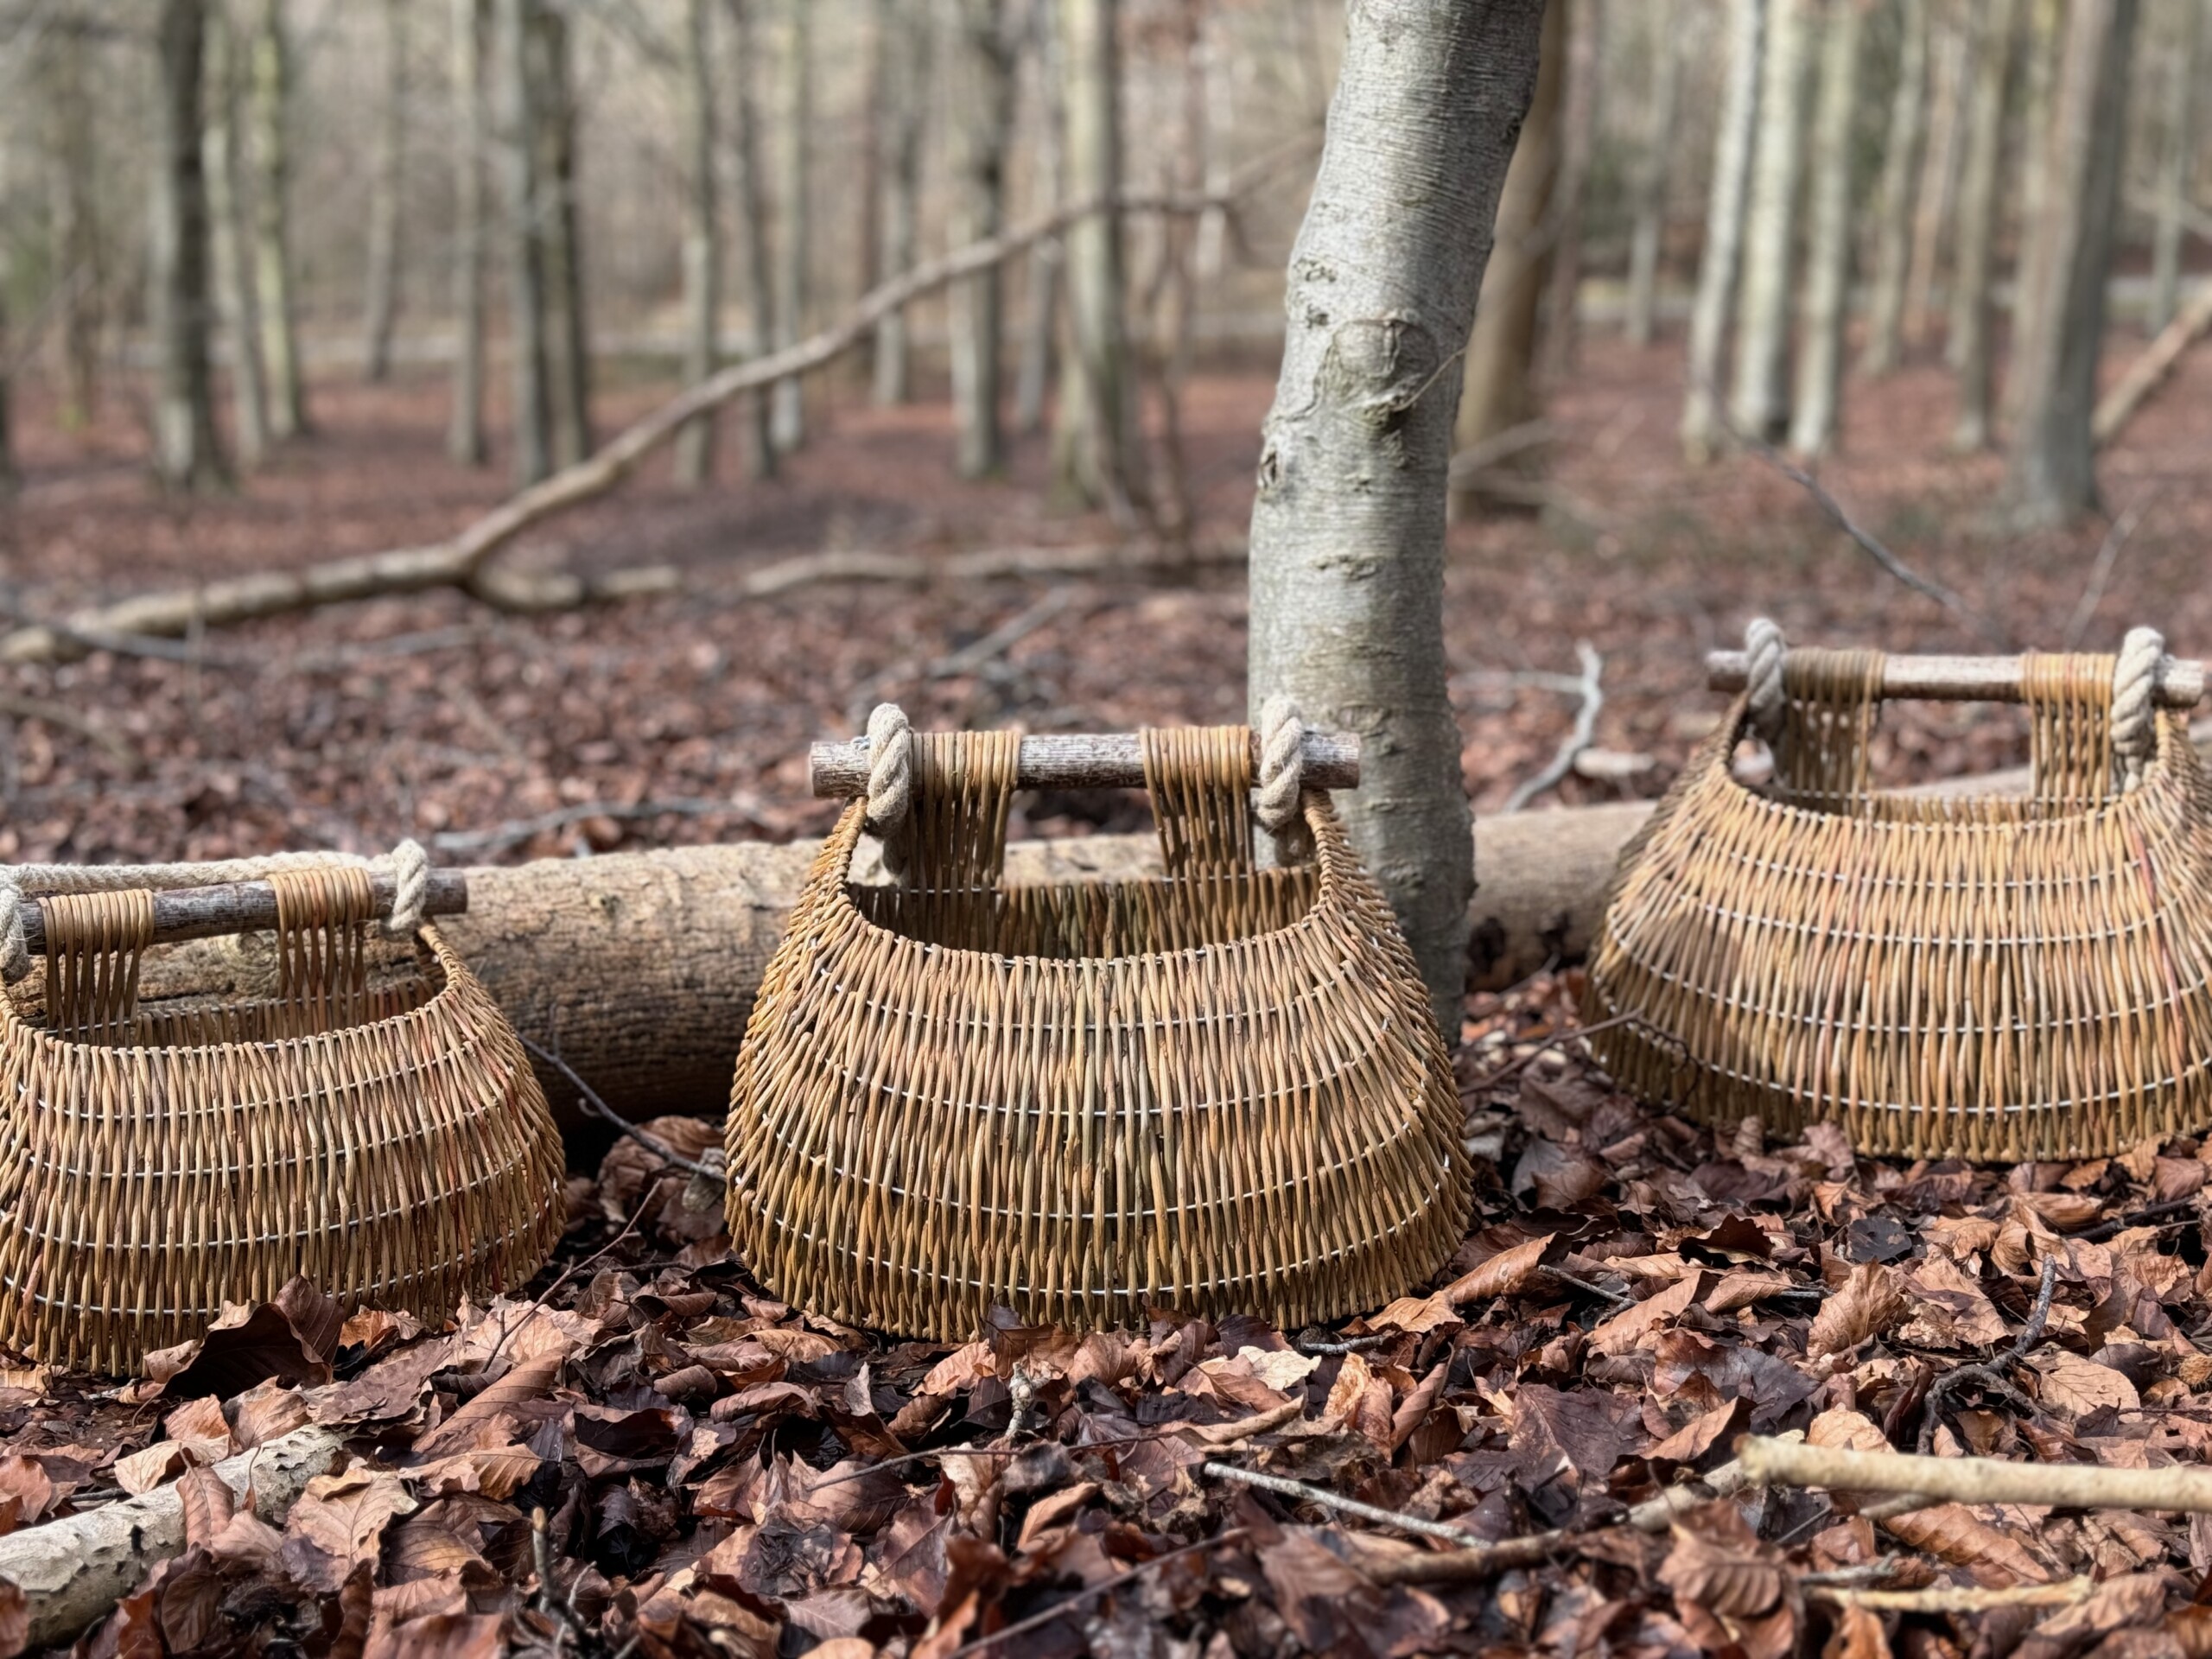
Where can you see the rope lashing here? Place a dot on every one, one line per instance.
(890, 781)
(1282, 763)
(2134, 686)
(1764, 647)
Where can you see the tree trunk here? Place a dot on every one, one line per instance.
(1347, 539)
(1827, 251)
(1175, 289)
(2039, 82)
(2171, 234)
(2050, 478)
(795, 69)
(702, 266)
(1585, 23)
(979, 82)
(1900, 168)
(273, 276)
(1041, 317)
(568, 336)
(1995, 24)
(1724, 230)
(187, 454)
(380, 305)
(1655, 148)
(526, 276)
(1939, 177)
(9, 477)
(1498, 382)
(1094, 448)
(903, 32)
(465, 441)
(234, 296)
(1760, 401)
(749, 179)
(1215, 68)
(72, 221)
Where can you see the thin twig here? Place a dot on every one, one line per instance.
(1585, 730)
(1329, 1500)
(552, 1290)
(2119, 1224)
(2101, 571)
(1058, 1610)
(1514, 1067)
(599, 1108)
(1349, 1345)
(1955, 1598)
(1612, 1296)
(1992, 1375)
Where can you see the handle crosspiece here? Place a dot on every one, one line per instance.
(244, 906)
(1086, 760)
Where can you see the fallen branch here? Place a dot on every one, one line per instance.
(2093, 591)
(1955, 1598)
(1979, 1480)
(1328, 1500)
(1992, 1374)
(2150, 371)
(1585, 730)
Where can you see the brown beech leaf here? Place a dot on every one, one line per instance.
(1867, 1303)
(339, 1523)
(1505, 1273)
(200, 1427)
(1949, 1307)
(15, 1620)
(1953, 1533)
(528, 1380)
(2074, 1387)
(143, 1471)
(1857, 1635)
(265, 1411)
(1628, 1330)
(209, 1504)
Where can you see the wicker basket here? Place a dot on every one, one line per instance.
(374, 1125)
(1996, 979)
(1217, 1092)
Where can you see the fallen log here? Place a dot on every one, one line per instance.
(2150, 371)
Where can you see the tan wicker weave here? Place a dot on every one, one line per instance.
(1220, 1091)
(382, 1135)
(1981, 978)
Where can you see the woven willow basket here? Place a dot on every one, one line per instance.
(1996, 979)
(1221, 1091)
(374, 1125)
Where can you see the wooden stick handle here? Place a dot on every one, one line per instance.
(1094, 760)
(243, 906)
(1964, 679)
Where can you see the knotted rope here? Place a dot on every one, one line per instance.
(1764, 649)
(2134, 688)
(1282, 766)
(890, 782)
(407, 863)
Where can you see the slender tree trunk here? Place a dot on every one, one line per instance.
(1212, 248)
(465, 441)
(1096, 446)
(10, 476)
(1578, 140)
(902, 29)
(2038, 95)
(795, 66)
(568, 335)
(74, 221)
(526, 278)
(272, 284)
(2049, 478)
(234, 296)
(187, 453)
(1939, 178)
(1760, 401)
(1646, 235)
(1347, 563)
(1900, 168)
(702, 268)
(1827, 252)
(1995, 26)
(380, 305)
(2182, 74)
(749, 178)
(1174, 290)
(979, 64)
(1041, 317)
(1724, 230)
(1497, 381)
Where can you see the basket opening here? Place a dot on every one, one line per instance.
(1913, 744)
(1067, 921)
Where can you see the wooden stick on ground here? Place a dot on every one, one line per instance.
(1979, 1480)
(1955, 1598)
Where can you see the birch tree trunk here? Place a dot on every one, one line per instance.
(1827, 252)
(465, 441)
(1210, 248)
(1760, 401)
(380, 305)
(1096, 445)
(2038, 91)
(272, 189)
(72, 221)
(187, 453)
(2050, 478)
(568, 335)
(787, 421)
(702, 268)
(1648, 232)
(1900, 168)
(1586, 27)
(902, 27)
(233, 272)
(2171, 232)
(1996, 22)
(526, 318)
(979, 81)
(1939, 174)
(750, 179)
(1347, 540)
(1724, 230)
(1040, 312)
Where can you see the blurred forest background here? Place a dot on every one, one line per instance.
(283, 281)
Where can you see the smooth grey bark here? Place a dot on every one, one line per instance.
(748, 179)
(272, 192)
(1032, 381)
(1648, 188)
(10, 476)
(794, 263)
(980, 46)
(1720, 259)
(1893, 211)
(187, 453)
(380, 303)
(1939, 176)
(1827, 251)
(1174, 289)
(1995, 24)
(465, 440)
(702, 254)
(568, 335)
(1214, 66)
(2039, 92)
(233, 271)
(1347, 538)
(2049, 478)
(2171, 191)
(526, 307)
(1760, 403)
(1585, 22)
(1095, 448)
(73, 219)
(903, 37)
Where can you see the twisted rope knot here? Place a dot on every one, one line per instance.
(2134, 687)
(411, 881)
(890, 781)
(1765, 648)
(1282, 763)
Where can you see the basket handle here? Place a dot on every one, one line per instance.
(94, 944)
(183, 913)
(321, 964)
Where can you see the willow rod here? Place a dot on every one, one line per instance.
(243, 906)
(1965, 679)
(1084, 761)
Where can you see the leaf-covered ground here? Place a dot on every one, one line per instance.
(645, 1454)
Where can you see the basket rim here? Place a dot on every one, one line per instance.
(12, 1020)
(1333, 870)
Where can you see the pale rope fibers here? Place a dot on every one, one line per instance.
(2134, 688)
(890, 782)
